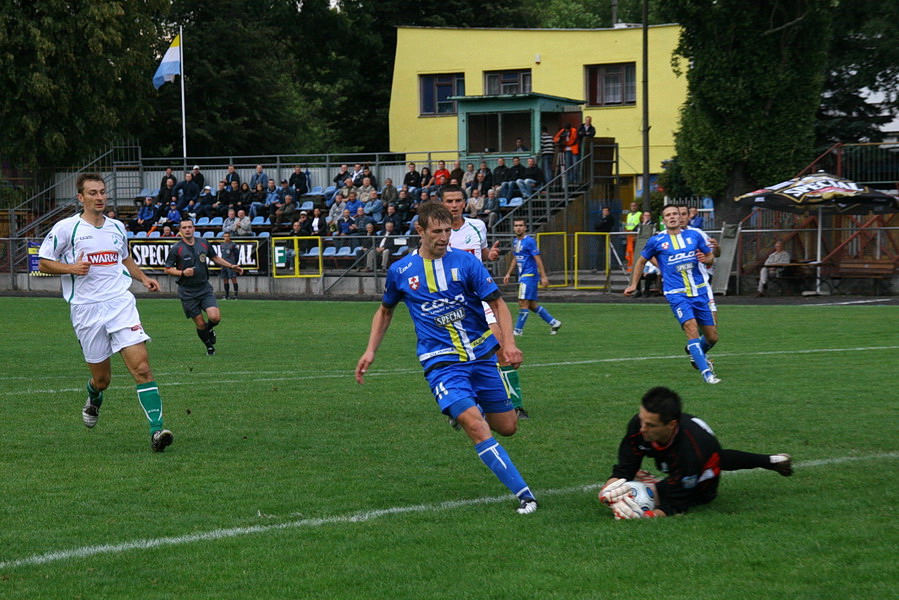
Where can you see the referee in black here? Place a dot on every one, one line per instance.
(685, 450)
(187, 260)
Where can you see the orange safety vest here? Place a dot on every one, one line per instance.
(570, 143)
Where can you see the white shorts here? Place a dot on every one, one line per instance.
(104, 328)
(488, 312)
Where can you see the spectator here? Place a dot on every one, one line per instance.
(167, 192)
(490, 212)
(475, 204)
(374, 208)
(441, 172)
(273, 198)
(206, 203)
(403, 206)
(173, 215)
(606, 224)
(302, 226)
(360, 220)
(348, 188)
(317, 223)
(499, 175)
(566, 137)
(232, 176)
(146, 216)
(488, 175)
(532, 178)
(696, 220)
(167, 232)
(242, 226)
(367, 172)
(368, 243)
(191, 209)
(230, 196)
(366, 190)
(357, 175)
(631, 223)
(298, 182)
(426, 179)
(649, 280)
(286, 212)
(547, 151)
(353, 203)
(519, 146)
(258, 177)
(585, 134)
(186, 191)
(384, 246)
(412, 177)
(166, 178)
(257, 201)
(774, 266)
(457, 173)
(342, 174)
(337, 208)
(229, 225)
(389, 193)
(344, 226)
(481, 184)
(218, 208)
(468, 177)
(513, 174)
(392, 216)
(198, 177)
(283, 190)
(246, 196)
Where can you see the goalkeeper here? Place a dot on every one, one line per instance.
(685, 450)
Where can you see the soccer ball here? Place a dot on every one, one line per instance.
(642, 495)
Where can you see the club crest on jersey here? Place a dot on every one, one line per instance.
(137, 328)
(414, 282)
(664, 245)
(103, 259)
(202, 257)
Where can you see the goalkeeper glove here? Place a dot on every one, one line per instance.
(627, 508)
(614, 491)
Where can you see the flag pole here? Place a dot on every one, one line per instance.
(183, 112)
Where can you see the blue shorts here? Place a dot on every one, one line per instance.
(459, 386)
(527, 287)
(697, 307)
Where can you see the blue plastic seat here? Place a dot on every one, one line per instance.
(503, 202)
(308, 205)
(316, 191)
(258, 221)
(344, 252)
(141, 234)
(313, 252)
(215, 221)
(515, 202)
(208, 234)
(330, 251)
(155, 234)
(264, 234)
(220, 234)
(202, 221)
(130, 234)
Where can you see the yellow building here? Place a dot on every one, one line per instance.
(598, 70)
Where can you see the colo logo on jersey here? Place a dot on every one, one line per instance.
(103, 259)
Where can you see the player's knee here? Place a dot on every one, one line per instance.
(100, 382)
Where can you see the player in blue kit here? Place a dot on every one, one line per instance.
(443, 290)
(530, 274)
(679, 253)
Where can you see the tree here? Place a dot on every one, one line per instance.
(73, 76)
(754, 73)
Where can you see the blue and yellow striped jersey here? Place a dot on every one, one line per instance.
(525, 250)
(676, 255)
(444, 300)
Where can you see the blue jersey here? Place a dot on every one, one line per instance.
(525, 250)
(676, 255)
(444, 297)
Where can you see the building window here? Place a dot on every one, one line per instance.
(496, 132)
(435, 89)
(612, 85)
(507, 82)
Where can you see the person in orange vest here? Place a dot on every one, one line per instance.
(567, 139)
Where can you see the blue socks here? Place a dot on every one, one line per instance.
(698, 354)
(497, 460)
(706, 346)
(522, 317)
(544, 314)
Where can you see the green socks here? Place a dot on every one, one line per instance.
(148, 396)
(513, 384)
(96, 396)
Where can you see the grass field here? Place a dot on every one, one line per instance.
(288, 480)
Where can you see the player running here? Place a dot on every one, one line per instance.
(678, 254)
(443, 289)
(90, 252)
(685, 449)
(530, 266)
(186, 260)
(471, 235)
(707, 271)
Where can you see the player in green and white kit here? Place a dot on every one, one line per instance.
(90, 252)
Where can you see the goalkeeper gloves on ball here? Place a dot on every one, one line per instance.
(612, 492)
(627, 508)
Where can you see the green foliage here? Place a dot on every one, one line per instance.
(754, 73)
(73, 76)
(568, 14)
(274, 439)
(863, 55)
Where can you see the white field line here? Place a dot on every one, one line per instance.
(850, 302)
(279, 376)
(357, 517)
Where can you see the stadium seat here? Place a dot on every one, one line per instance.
(258, 221)
(141, 234)
(208, 234)
(155, 234)
(130, 234)
(202, 221)
(330, 251)
(344, 252)
(316, 191)
(503, 202)
(220, 234)
(312, 253)
(515, 202)
(264, 234)
(308, 205)
(215, 221)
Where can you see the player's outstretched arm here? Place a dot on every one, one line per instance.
(226, 265)
(379, 325)
(635, 276)
(136, 273)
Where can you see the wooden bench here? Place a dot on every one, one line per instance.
(878, 269)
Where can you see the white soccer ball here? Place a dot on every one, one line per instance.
(642, 495)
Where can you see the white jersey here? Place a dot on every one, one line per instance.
(104, 247)
(471, 237)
